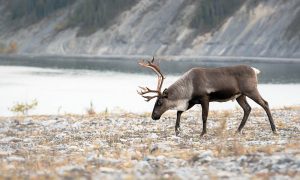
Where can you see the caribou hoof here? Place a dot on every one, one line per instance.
(203, 133)
(177, 131)
(239, 132)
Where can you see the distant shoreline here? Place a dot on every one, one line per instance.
(162, 57)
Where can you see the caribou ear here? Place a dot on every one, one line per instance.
(165, 93)
(152, 61)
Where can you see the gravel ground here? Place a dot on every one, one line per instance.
(132, 146)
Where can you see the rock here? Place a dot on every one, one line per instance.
(153, 136)
(61, 125)
(3, 129)
(10, 139)
(285, 160)
(108, 170)
(69, 168)
(154, 148)
(142, 168)
(164, 146)
(160, 158)
(16, 158)
(206, 156)
(6, 153)
(47, 123)
(175, 138)
(242, 160)
(84, 147)
(28, 122)
(103, 161)
(123, 140)
(189, 173)
(77, 125)
(27, 140)
(202, 158)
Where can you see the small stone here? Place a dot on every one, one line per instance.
(175, 138)
(27, 140)
(242, 160)
(10, 139)
(69, 168)
(28, 122)
(153, 136)
(16, 158)
(5, 153)
(142, 168)
(123, 140)
(204, 157)
(160, 158)
(107, 170)
(153, 148)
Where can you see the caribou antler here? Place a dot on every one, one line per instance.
(156, 69)
(145, 90)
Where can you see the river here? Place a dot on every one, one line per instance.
(70, 84)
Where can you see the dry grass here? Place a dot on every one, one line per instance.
(128, 138)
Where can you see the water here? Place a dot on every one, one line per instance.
(279, 71)
(69, 86)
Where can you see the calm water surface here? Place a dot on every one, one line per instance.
(69, 85)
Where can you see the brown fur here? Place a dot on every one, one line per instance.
(204, 85)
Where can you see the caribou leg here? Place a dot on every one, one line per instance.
(246, 108)
(177, 125)
(205, 108)
(256, 97)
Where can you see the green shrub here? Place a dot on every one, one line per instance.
(24, 107)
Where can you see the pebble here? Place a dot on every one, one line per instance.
(10, 139)
(111, 148)
(153, 136)
(16, 158)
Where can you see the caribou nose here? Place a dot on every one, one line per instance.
(155, 116)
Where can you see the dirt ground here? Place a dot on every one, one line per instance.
(123, 145)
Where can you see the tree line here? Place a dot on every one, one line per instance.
(210, 14)
(91, 15)
(33, 10)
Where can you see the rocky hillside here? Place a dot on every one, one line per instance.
(262, 28)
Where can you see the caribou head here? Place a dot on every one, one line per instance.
(161, 104)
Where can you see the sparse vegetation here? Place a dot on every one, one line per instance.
(24, 12)
(24, 107)
(293, 30)
(91, 15)
(10, 49)
(125, 145)
(91, 111)
(211, 14)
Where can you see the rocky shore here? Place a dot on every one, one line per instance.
(132, 146)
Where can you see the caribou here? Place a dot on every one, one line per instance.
(202, 86)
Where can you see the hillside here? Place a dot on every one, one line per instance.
(171, 27)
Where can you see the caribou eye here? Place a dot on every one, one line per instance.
(165, 93)
(159, 102)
